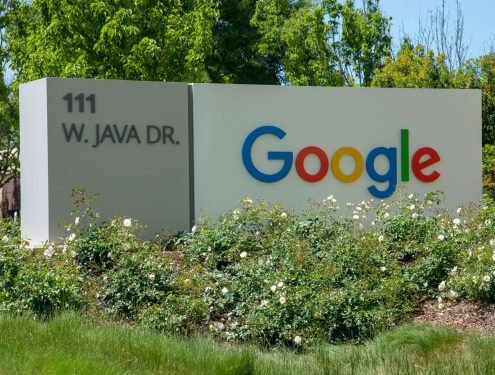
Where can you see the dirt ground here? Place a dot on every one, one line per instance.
(463, 315)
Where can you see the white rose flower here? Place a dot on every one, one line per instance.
(151, 276)
(415, 215)
(127, 223)
(486, 278)
(386, 215)
(194, 229)
(224, 290)
(49, 252)
(383, 268)
(243, 254)
(441, 286)
(441, 237)
(273, 288)
(219, 326)
(355, 217)
(283, 215)
(456, 221)
(454, 294)
(280, 284)
(72, 237)
(248, 201)
(5, 239)
(264, 303)
(76, 220)
(411, 196)
(492, 242)
(412, 207)
(298, 340)
(281, 300)
(459, 210)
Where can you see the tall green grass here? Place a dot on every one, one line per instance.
(68, 344)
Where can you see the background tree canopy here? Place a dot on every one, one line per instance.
(292, 42)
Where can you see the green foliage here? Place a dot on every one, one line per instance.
(141, 40)
(488, 170)
(40, 282)
(261, 274)
(414, 67)
(324, 43)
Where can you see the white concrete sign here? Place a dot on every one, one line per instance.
(126, 141)
(293, 144)
(131, 142)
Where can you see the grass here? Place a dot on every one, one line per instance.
(68, 344)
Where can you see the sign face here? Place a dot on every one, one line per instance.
(126, 141)
(293, 144)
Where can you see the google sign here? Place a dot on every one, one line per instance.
(169, 153)
(297, 145)
(421, 160)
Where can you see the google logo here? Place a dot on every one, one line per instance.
(421, 159)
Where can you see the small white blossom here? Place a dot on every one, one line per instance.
(280, 284)
(441, 237)
(298, 340)
(411, 196)
(493, 257)
(76, 220)
(151, 276)
(281, 300)
(355, 217)
(441, 286)
(73, 254)
(218, 326)
(72, 237)
(492, 242)
(454, 294)
(415, 215)
(273, 288)
(49, 252)
(381, 238)
(5, 239)
(459, 210)
(488, 222)
(456, 221)
(486, 278)
(412, 207)
(127, 223)
(453, 271)
(425, 284)
(194, 229)
(248, 201)
(383, 268)
(283, 215)
(264, 303)
(224, 290)
(386, 215)
(243, 254)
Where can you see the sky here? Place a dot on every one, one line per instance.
(479, 20)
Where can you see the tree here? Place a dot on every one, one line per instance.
(437, 33)
(128, 39)
(9, 124)
(234, 56)
(412, 67)
(324, 42)
(366, 40)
